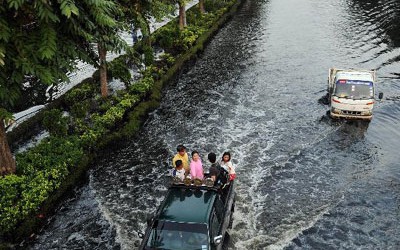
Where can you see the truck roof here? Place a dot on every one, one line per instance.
(355, 75)
(187, 205)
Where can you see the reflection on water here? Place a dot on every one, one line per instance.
(304, 181)
(383, 15)
(381, 20)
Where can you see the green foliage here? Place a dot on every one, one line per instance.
(5, 116)
(80, 125)
(108, 119)
(11, 187)
(139, 13)
(49, 154)
(80, 109)
(68, 7)
(104, 104)
(82, 92)
(41, 170)
(55, 123)
(110, 112)
(127, 100)
(188, 36)
(133, 57)
(148, 55)
(41, 41)
(212, 6)
(175, 41)
(142, 86)
(168, 58)
(165, 37)
(115, 112)
(118, 69)
(48, 45)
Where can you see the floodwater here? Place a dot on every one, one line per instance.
(304, 181)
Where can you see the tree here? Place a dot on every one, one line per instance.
(41, 41)
(141, 12)
(103, 70)
(182, 14)
(106, 36)
(103, 30)
(201, 7)
(7, 163)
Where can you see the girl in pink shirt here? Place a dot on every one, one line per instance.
(196, 167)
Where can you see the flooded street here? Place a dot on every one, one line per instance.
(304, 181)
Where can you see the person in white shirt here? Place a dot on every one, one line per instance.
(227, 165)
(179, 171)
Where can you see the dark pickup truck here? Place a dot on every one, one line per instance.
(191, 217)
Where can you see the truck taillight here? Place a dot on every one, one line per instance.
(370, 103)
(334, 100)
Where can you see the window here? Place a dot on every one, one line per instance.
(176, 236)
(354, 89)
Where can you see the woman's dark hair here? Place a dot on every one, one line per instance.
(228, 154)
(195, 152)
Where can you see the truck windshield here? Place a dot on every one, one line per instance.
(176, 236)
(354, 89)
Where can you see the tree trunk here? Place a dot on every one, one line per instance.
(182, 16)
(7, 162)
(201, 6)
(103, 71)
(147, 35)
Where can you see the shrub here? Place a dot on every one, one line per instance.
(48, 154)
(168, 58)
(84, 91)
(80, 109)
(128, 101)
(212, 5)
(41, 170)
(142, 86)
(148, 55)
(55, 122)
(104, 104)
(11, 187)
(108, 119)
(166, 36)
(118, 69)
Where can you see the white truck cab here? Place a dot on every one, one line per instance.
(352, 93)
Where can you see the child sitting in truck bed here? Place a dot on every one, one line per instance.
(179, 171)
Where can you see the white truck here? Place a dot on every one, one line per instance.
(351, 93)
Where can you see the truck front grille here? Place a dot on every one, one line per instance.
(348, 112)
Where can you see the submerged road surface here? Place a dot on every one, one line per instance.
(304, 181)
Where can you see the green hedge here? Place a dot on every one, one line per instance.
(41, 170)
